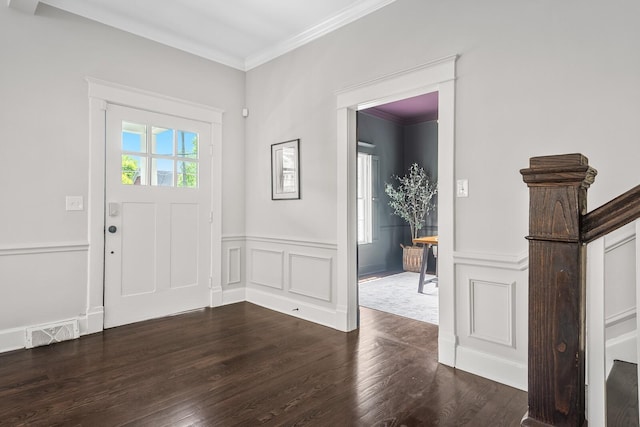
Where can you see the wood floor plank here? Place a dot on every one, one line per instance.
(245, 365)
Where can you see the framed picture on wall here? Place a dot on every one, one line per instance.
(285, 170)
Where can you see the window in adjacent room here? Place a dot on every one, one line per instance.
(365, 199)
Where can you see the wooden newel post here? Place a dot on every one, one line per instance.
(557, 200)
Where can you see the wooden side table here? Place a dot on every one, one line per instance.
(428, 242)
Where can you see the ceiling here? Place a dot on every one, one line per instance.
(239, 33)
(418, 109)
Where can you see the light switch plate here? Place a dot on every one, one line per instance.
(74, 203)
(462, 188)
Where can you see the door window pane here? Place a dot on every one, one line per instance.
(162, 172)
(158, 156)
(134, 137)
(187, 144)
(162, 141)
(188, 174)
(134, 170)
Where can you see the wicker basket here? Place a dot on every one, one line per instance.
(412, 258)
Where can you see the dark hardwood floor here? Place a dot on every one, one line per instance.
(245, 365)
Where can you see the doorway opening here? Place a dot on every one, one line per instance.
(394, 139)
(436, 76)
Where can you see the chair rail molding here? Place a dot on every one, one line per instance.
(43, 248)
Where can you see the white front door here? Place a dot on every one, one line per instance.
(158, 213)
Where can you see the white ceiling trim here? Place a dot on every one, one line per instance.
(345, 17)
(146, 31)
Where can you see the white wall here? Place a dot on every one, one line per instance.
(534, 78)
(44, 153)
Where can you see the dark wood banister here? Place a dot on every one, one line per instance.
(611, 216)
(559, 229)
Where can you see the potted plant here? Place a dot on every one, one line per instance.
(412, 201)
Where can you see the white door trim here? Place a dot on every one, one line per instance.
(102, 93)
(435, 76)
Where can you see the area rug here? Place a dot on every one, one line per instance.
(398, 294)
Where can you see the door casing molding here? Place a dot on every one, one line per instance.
(434, 76)
(101, 93)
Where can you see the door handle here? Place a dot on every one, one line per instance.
(112, 229)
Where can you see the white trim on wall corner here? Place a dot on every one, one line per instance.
(43, 248)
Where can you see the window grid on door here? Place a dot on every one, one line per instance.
(159, 156)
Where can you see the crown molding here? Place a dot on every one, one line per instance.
(345, 17)
(146, 31)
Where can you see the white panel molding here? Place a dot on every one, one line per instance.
(43, 248)
(500, 261)
(292, 242)
(234, 273)
(352, 13)
(495, 368)
(475, 288)
(280, 267)
(327, 287)
(303, 310)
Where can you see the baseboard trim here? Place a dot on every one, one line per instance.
(232, 296)
(12, 339)
(492, 367)
(16, 339)
(447, 349)
(93, 322)
(313, 313)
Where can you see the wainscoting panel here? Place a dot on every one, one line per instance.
(267, 268)
(492, 316)
(296, 277)
(491, 311)
(310, 275)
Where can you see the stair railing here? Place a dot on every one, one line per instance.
(559, 229)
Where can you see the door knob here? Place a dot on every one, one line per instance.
(112, 229)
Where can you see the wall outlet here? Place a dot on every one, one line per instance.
(74, 203)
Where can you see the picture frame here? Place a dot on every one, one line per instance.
(285, 170)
